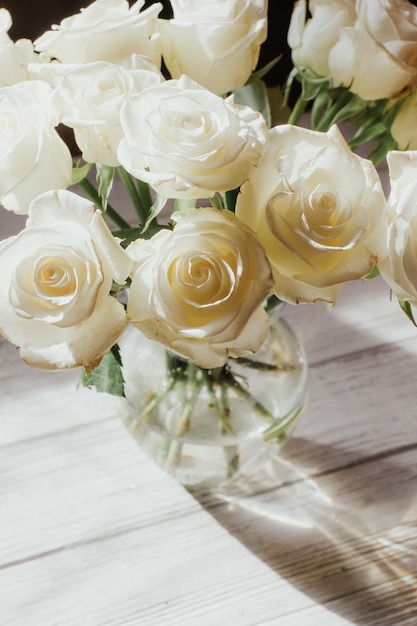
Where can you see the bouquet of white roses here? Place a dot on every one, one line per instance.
(231, 214)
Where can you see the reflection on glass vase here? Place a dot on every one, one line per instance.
(214, 428)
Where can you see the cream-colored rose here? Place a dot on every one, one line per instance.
(106, 30)
(359, 62)
(33, 157)
(186, 142)
(312, 39)
(199, 289)
(89, 98)
(56, 278)
(392, 23)
(317, 209)
(215, 43)
(404, 126)
(399, 267)
(377, 58)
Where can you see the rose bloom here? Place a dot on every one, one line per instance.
(216, 43)
(399, 267)
(317, 209)
(33, 157)
(186, 142)
(377, 58)
(312, 39)
(56, 278)
(89, 98)
(107, 30)
(199, 289)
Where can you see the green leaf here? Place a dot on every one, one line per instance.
(255, 95)
(383, 147)
(353, 106)
(406, 307)
(107, 376)
(105, 177)
(230, 198)
(259, 74)
(154, 211)
(127, 235)
(367, 132)
(79, 173)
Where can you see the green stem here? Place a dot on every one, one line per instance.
(216, 202)
(195, 379)
(347, 107)
(258, 407)
(231, 453)
(298, 110)
(129, 182)
(222, 408)
(326, 120)
(279, 428)
(92, 193)
(225, 406)
(265, 367)
(153, 403)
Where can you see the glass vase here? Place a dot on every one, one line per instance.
(218, 427)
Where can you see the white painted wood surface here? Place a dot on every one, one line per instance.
(92, 533)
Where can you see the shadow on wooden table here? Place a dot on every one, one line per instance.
(346, 537)
(336, 513)
(338, 517)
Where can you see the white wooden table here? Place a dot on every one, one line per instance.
(92, 533)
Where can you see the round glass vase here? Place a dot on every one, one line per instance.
(217, 427)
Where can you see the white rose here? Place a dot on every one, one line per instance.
(399, 267)
(377, 58)
(199, 289)
(89, 98)
(186, 142)
(359, 62)
(312, 39)
(14, 56)
(317, 209)
(404, 127)
(33, 158)
(107, 30)
(216, 43)
(56, 278)
(391, 22)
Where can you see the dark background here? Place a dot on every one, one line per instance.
(31, 19)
